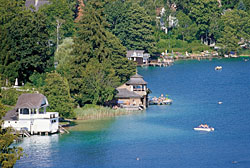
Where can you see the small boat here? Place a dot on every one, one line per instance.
(160, 101)
(204, 128)
(218, 68)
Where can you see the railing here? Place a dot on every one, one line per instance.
(47, 115)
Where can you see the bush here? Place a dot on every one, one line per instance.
(10, 96)
(37, 79)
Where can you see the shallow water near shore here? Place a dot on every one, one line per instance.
(163, 136)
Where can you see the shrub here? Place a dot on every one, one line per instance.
(37, 79)
(10, 96)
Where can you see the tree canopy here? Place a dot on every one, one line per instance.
(8, 154)
(234, 29)
(56, 89)
(132, 25)
(97, 47)
(25, 46)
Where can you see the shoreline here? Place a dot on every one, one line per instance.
(101, 114)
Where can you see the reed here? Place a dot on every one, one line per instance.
(91, 112)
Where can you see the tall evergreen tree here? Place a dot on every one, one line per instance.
(93, 41)
(133, 27)
(25, 46)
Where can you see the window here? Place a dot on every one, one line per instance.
(24, 111)
(138, 88)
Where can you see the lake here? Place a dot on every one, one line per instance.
(163, 136)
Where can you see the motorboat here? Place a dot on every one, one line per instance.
(218, 68)
(160, 101)
(204, 128)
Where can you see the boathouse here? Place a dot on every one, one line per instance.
(133, 95)
(138, 56)
(30, 114)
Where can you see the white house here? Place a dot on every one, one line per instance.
(138, 56)
(30, 114)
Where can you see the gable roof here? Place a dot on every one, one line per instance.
(11, 115)
(125, 93)
(136, 80)
(30, 100)
(135, 53)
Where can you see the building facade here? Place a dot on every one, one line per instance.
(30, 114)
(133, 95)
(138, 56)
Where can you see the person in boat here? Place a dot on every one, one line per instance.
(201, 126)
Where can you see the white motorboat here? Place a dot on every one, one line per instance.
(204, 128)
(218, 68)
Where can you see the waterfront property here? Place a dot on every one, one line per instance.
(138, 56)
(164, 135)
(30, 114)
(133, 95)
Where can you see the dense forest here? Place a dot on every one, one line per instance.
(74, 51)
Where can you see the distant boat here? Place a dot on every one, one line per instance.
(160, 101)
(218, 68)
(204, 128)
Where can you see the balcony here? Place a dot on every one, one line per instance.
(47, 115)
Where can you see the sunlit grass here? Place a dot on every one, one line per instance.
(90, 112)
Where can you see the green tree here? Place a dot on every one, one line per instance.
(134, 27)
(37, 79)
(93, 41)
(186, 28)
(64, 52)
(56, 90)
(24, 45)
(9, 154)
(100, 83)
(235, 28)
(241, 6)
(202, 12)
(229, 4)
(60, 19)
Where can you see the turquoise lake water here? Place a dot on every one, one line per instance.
(163, 136)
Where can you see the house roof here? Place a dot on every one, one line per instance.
(10, 115)
(125, 93)
(131, 52)
(136, 80)
(30, 100)
(36, 3)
